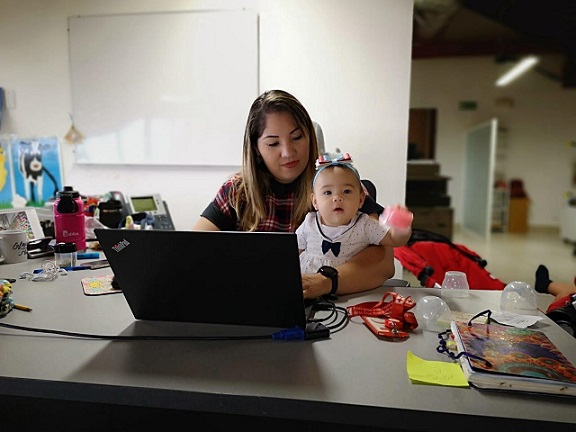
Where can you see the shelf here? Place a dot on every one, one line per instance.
(500, 209)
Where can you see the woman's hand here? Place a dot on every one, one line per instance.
(315, 285)
(365, 271)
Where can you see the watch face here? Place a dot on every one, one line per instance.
(328, 271)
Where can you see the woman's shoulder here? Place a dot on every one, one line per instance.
(231, 183)
(234, 179)
(228, 189)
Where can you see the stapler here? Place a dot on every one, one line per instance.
(40, 247)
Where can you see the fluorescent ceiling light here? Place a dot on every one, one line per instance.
(521, 67)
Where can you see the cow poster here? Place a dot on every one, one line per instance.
(35, 169)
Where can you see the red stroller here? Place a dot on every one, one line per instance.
(428, 256)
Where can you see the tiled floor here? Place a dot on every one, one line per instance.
(515, 257)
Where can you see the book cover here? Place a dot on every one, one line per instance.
(25, 218)
(521, 359)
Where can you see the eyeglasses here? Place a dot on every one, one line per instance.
(444, 337)
(488, 314)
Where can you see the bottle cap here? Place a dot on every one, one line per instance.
(68, 191)
(65, 247)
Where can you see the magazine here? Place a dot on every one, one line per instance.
(520, 359)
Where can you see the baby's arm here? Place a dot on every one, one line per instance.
(399, 221)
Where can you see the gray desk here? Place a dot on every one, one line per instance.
(352, 381)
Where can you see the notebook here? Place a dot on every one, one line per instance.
(220, 277)
(520, 359)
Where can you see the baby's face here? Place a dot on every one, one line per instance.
(337, 195)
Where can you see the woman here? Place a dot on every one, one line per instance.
(272, 191)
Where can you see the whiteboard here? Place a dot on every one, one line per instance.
(163, 88)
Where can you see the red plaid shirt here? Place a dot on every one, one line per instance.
(279, 207)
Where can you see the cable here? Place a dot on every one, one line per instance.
(294, 333)
(49, 272)
(329, 321)
(343, 321)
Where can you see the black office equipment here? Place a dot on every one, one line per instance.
(153, 205)
(238, 278)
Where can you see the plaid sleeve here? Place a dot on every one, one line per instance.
(220, 211)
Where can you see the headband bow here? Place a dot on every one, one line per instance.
(338, 159)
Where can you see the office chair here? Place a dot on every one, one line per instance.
(319, 138)
(370, 187)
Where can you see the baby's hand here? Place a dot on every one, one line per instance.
(397, 217)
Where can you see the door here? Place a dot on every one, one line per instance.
(422, 133)
(479, 165)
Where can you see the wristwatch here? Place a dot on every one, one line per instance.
(330, 273)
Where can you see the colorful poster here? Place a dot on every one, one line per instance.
(6, 189)
(36, 170)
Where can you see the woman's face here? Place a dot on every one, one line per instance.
(284, 147)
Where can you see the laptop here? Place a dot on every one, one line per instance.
(220, 277)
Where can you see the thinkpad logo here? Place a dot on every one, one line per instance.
(120, 245)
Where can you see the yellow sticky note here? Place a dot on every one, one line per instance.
(434, 372)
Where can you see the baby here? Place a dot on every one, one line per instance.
(337, 230)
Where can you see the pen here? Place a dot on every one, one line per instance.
(22, 307)
(88, 255)
(74, 268)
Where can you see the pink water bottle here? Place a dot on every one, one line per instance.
(69, 223)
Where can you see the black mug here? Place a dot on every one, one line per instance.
(110, 213)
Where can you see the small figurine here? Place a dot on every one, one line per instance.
(6, 302)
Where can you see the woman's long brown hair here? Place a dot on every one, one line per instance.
(256, 180)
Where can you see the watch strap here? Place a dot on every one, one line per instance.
(332, 274)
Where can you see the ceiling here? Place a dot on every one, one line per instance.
(504, 29)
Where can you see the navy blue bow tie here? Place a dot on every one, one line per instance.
(334, 247)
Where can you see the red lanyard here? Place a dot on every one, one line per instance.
(394, 313)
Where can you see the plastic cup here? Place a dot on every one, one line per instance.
(455, 285)
(519, 297)
(433, 314)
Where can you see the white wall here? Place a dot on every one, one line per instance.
(539, 125)
(348, 61)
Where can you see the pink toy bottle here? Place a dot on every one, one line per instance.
(69, 223)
